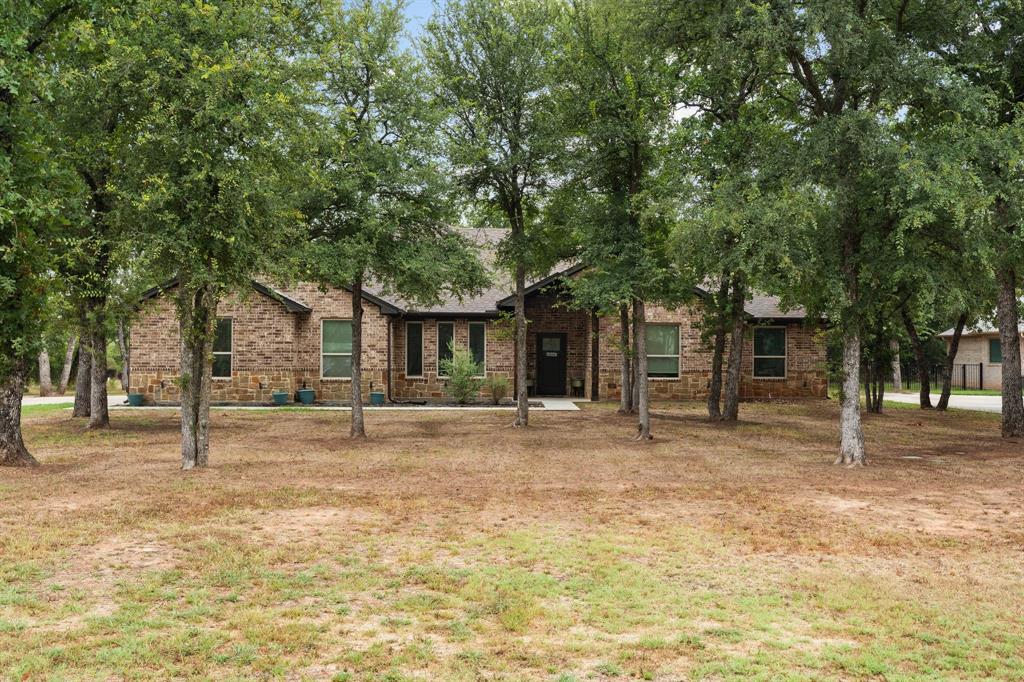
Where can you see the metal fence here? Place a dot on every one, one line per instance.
(968, 376)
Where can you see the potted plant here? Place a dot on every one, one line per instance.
(306, 395)
(280, 397)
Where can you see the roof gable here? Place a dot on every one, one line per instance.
(290, 304)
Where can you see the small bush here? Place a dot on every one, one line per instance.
(498, 387)
(463, 375)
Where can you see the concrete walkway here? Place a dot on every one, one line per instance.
(550, 405)
(978, 403)
(559, 405)
(112, 400)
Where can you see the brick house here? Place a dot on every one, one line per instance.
(979, 355)
(300, 336)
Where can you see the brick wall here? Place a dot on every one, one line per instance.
(271, 348)
(498, 357)
(274, 349)
(805, 361)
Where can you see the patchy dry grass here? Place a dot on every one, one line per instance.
(452, 547)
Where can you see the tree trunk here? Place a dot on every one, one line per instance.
(874, 388)
(1009, 337)
(715, 385)
(595, 357)
(867, 391)
(126, 360)
(522, 400)
(83, 377)
(65, 370)
(634, 366)
(643, 386)
(947, 367)
(98, 416)
(12, 447)
(880, 389)
(732, 379)
(897, 370)
(626, 398)
(851, 434)
(45, 383)
(919, 358)
(358, 424)
(198, 310)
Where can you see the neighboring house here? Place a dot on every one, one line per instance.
(980, 348)
(301, 336)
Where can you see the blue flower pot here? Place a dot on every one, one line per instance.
(135, 399)
(376, 398)
(307, 396)
(280, 397)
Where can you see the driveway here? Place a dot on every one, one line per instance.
(979, 403)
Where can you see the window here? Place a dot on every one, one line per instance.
(995, 350)
(478, 344)
(413, 349)
(445, 337)
(663, 350)
(222, 349)
(336, 349)
(770, 352)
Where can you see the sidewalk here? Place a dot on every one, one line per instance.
(112, 401)
(550, 405)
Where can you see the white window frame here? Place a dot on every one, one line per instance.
(322, 354)
(230, 353)
(469, 339)
(678, 355)
(422, 354)
(784, 356)
(437, 334)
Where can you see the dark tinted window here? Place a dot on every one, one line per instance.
(414, 349)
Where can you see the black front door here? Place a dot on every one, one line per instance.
(551, 364)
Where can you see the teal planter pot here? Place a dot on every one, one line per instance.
(307, 396)
(376, 398)
(280, 397)
(135, 399)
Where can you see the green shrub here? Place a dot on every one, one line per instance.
(498, 387)
(463, 375)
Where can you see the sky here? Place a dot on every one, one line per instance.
(417, 12)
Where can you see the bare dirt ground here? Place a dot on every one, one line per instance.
(449, 546)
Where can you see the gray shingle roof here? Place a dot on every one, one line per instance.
(764, 306)
(980, 329)
(498, 295)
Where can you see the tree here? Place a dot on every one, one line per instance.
(27, 211)
(617, 96)
(491, 66)
(384, 215)
(90, 112)
(988, 52)
(222, 92)
(851, 69)
(727, 135)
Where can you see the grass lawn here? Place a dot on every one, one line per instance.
(456, 548)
